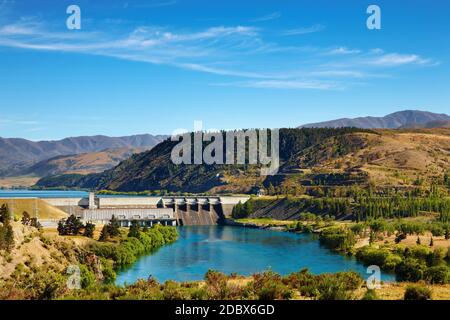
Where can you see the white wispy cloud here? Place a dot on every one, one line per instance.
(304, 30)
(228, 51)
(268, 17)
(342, 51)
(6, 121)
(396, 59)
(284, 84)
(156, 4)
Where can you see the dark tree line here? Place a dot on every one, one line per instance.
(6, 230)
(73, 226)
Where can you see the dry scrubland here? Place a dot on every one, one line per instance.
(38, 207)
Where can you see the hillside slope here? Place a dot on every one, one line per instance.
(83, 163)
(309, 157)
(401, 119)
(17, 155)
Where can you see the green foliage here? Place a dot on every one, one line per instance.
(370, 294)
(129, 249)
(383, 258)
(337, 238)
(104, 234)
(410, 269)
(70, 226)
(26, 218)
(417, 292)
(269, 286)
(438, 274)
(338, 286)
(87, 277)
(6, 230)
(241, 211)
(89, 230)
(134, 229)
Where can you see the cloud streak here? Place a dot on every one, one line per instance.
(268, 17)
(304, 30)
(227, 51)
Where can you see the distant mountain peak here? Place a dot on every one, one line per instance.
(399, 119)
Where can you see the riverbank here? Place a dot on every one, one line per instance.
(415, 249)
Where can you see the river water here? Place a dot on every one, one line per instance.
(240, 250)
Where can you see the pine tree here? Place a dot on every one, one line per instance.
(104, 235)
(61, 227)
(26, 219)
(134, 229)
(89, 230)
(113, 227)
(4, 214)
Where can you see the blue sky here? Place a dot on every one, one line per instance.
(155, 66)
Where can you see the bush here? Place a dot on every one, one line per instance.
(269, 286)
(438, 274)
(410, 270)
(87, 277)
(370, 295)
(417, 292)
(337, 239)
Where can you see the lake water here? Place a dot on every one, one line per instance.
(241, 250)
(42, 194)
(54, 194)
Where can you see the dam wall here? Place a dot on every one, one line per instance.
(202, 210)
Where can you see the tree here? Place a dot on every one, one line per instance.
(89, 230)
(26, 219)
(35, 223)
(5, 215)
(134, 229)
(114, 227)
(104, 235)
(237, 211)
(71, 226)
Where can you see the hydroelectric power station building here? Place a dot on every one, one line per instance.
(150, 210)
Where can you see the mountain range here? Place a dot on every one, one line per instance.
(309, 157)
(95, 154)
(396, 120)
(18, 155)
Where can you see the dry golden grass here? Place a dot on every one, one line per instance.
(399, 157)
(17, 182)
(396, 291)
(37, 207)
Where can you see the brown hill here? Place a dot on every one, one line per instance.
(17, 155)
(83, 163)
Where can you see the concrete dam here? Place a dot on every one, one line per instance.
(201, 210)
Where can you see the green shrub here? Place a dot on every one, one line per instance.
(370, 294)
(417, 292)
(410, 270)
(438, 274)
(337, 239)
